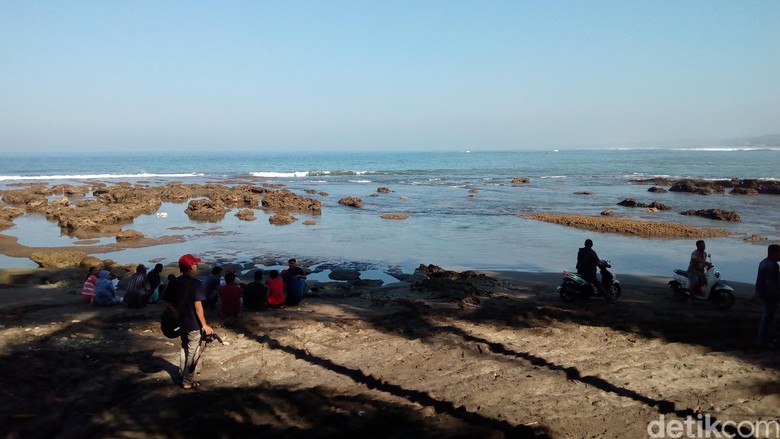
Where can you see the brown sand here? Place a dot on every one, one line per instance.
(495, 357)
(627, 226)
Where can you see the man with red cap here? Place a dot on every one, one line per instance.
(186, 295)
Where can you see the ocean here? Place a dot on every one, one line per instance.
(447, 225)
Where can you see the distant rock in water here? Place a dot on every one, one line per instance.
(383, 190)
(246, 215)
(473, 190)
(206, 210)
(521, 180)
(627, 226)
(630, 202)
(129, 235)
(281, 219)
(657, 189)
(748, 186)
(754, 238)
(394, 216)
(607, 212)
(716, 214)
(351, 201)
(583, 193)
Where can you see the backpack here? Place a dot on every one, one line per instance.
(170, 324)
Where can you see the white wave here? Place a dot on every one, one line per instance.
(553, 176)
(94, 176)
(359, 181)
(279, 174)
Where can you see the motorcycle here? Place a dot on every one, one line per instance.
(574, 285)
(716, 289)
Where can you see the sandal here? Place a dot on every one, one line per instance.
(192, 385)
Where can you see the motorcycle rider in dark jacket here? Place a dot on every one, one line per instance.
(587, 262)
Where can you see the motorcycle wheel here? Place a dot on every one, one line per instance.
(567, 295)
(723, 299)
(678, 290)
(611, 293)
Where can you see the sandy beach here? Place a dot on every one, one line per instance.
(463, 355)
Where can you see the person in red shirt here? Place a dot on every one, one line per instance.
(276, 295)
(230, 294)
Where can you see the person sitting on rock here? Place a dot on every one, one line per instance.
(210, 285)
(294, 284)
(276, 294)
(105, 291)
(255, 293)
(88, 289)
(138, 288)
(230, 293)
(155, 283)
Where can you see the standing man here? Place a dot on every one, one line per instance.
(768, 292)
(186, 294)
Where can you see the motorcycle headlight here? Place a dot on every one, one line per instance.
(716, 272)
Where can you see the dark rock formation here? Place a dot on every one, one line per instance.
(351, 201)
(657, 189)
(697, 187)
(204, 209)
(383, 190)
(607, 212)
(716, 214)
(630, 202)
(284, 200)
(521, 180)
(344, 274)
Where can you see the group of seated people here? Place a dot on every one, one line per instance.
(279, 289)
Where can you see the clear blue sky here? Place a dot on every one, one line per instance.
(384, 75)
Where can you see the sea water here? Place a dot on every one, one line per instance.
(447, 225)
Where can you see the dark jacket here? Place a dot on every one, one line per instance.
(587, 261)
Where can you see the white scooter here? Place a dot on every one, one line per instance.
(716, 290)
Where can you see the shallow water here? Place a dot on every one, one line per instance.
(447, 226)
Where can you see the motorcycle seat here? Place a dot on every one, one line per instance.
(681, 272)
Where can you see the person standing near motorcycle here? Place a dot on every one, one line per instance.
(768, 292)
(696, 268)
(587, 262)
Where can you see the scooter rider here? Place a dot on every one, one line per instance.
(587, 262)
(696, 268)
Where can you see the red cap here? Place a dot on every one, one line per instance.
(188, 260)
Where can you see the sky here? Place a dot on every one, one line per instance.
(384, 75)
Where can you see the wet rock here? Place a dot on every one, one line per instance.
(521, 180)
(697, 187)
(282, 219)
(246, 215)
(58, 259)
(583, 193)
(309, 222)
(473, 191)
(284, 200)
(323, 194)
(206, 210)
(657, 189)
(607, 212)
(755, 238)
(394, 216)
(744, 191)
(351, 201)
(630, 202)
(344, 274)
(129, 235)
(716, 214)
(383, 190)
